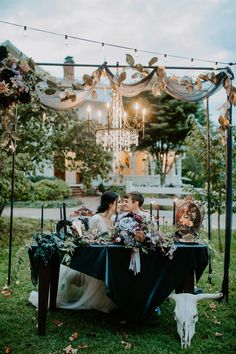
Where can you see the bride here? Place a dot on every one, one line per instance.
(79, 291)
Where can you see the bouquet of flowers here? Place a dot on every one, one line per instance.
(133, 230)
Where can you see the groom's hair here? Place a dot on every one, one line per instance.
(135, 197)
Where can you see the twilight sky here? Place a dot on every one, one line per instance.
(196, 29)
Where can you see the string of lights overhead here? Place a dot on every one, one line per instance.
(103, 44)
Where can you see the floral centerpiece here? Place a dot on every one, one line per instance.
(131, 230)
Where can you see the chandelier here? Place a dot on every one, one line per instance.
(119, 133)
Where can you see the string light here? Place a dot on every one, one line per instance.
(25, 31)
(136, 53)
(66, 40)
(116, 45)
(165, 59)
(215, 65)
(103, 52)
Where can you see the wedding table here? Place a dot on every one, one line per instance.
(136, 296)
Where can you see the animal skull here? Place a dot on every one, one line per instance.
(186, 315)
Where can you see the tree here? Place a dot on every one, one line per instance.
(71, 134)
(166, 127)
(41, 135)
(196, 150)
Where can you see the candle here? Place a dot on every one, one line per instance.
(108, 108)
(143, 115)
(158, 217)
(99, 117)
(42, 218)
(64, 217)
(166, 225)
(136, 107)
(89, 112)
(174, 207)
(151, 211)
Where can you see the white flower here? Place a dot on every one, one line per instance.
(128, 224)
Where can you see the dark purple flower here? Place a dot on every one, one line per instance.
(3, 52)
(24, 97)
(6, 75)
(5, 101)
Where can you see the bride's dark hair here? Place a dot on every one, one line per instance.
(107, 198)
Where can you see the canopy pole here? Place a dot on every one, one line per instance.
(228, 213)
(208, 170)
(14, 127)
(208, 186)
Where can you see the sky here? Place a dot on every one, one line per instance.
(202, 29)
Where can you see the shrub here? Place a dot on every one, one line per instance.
(51, 190)
(118, 189)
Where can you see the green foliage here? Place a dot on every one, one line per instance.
(101, 188)
(51, 190)
(118, 189)
(195, 164)
(38, 178)
(168, 123)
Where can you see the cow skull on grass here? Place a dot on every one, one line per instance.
(186, 314)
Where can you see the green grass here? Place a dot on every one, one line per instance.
(70, 202)
(104, 333)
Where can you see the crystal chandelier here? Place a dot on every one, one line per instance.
(118, 133)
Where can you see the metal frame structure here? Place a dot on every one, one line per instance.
(229, 189)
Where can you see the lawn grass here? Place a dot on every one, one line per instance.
(70, 202)
(105, 333)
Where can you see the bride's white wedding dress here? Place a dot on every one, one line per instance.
(78, 291)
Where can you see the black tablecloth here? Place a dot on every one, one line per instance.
(138, 295)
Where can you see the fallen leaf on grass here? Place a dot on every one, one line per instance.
(74, 336)
(217, 322)
(57, 323)
(206, 315)
(212, 306)
(70, 350)
(7, 350)
(217, 334)
(82, 346)
(6, 291)
(127, 345)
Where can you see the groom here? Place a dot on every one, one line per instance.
(132, 203)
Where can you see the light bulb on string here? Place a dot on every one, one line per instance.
(103, 52)
(66, 39)
(136, 53)
(215, 66)
(165, 59)
(25, 33)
